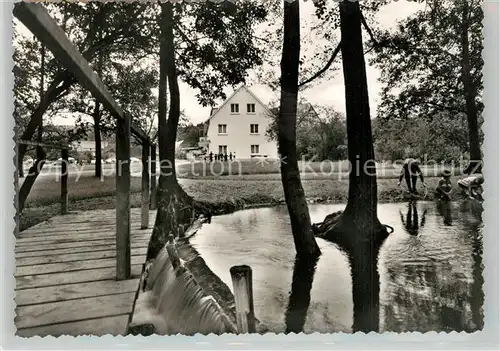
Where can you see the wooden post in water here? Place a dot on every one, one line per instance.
(145, 186)
(64, 180)
(123, 199)
(243, 297)
(152, 201)
(173, 256)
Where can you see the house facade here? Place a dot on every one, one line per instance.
(239, 127)
(88, 146)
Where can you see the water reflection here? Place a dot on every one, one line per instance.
(412, 222)
(445, 209)
(429, 281)
(300, 296)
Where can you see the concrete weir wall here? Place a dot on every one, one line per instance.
(179, 293)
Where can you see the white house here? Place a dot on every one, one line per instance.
(88, 145)
(239, 127)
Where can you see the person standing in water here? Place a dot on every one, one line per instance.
(444, 186)
(472, 186)
(410, 172)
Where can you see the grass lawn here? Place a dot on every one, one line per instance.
(270, 170)
(89, 193)
(47, 190)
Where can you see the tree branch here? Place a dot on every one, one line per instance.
(368, 30)
(324, 69)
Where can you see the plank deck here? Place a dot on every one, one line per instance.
(66, 275)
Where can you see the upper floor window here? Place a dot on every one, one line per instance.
(222, 129)
(250, 108)
(254, 129)
(235, 108)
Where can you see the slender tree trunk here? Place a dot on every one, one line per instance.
(305, 243)
(40, 153)
(97, 112)
(171, 198)
(470, 94)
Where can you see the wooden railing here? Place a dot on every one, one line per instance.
(36, 18)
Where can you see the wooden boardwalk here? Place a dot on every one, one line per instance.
(66, 275)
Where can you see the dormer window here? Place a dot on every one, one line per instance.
(250, 108)
(235, 108)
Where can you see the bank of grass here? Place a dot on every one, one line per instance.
(90, 193)
(47, 190)
(265, 169)
(323, 190)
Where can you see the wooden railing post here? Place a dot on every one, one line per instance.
(243, 297)
(181, 231)
(152, 202)
(64, 180)
(145, 186)
(123, 199)
(16, 180)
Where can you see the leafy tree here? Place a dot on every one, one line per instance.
(432, 64)
(209, 46)
(320, 132)
(131, 84)
(93, 27)
(190, 134)
(442, 139)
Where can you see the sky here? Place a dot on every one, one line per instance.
(327, 93)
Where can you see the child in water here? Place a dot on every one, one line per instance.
(444, 186)
(472, 186)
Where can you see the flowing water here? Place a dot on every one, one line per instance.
(174, 303)
(430, 267)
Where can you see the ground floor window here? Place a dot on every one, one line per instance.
(223, 149)
(254, 149)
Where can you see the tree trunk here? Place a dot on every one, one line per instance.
(358, 230)
(55, 89)
(59, 86)
(174, 205)
(475, 163)
(97, 136)
(30, 178)
(305, 243)
(40, 153)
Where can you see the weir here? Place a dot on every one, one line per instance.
(170, 301)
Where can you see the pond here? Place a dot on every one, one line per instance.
(430, 267)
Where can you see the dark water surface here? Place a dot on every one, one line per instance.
(430, 267)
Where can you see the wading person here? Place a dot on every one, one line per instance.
(472, 186)
(410, 172)
(444, 187)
